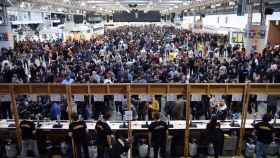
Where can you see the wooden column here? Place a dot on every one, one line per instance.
(69, 111)
(243, 119)
(187, 132)
(69, 102)
(129, 122)
(15, 114)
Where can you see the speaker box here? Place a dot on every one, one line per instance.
(268, 11)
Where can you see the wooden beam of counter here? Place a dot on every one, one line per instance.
(187, 132)
(225, 89)
(15, 114)
(243, 119)
(267, 89)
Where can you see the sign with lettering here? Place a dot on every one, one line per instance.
(99, 98)
(262, 98)
(146, 98)
(171, 97)
(128, 115)
(118, 97)
(78, 97)
(196, 98)
(236, 98)
(5, 98)
(55, 97)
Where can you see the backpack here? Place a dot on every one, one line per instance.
(250, 150)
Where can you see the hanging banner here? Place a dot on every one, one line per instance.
(146, 98)
(236, 98)
(118, 97)
(262, 98)
(5, 98)
(99, 98)
(128, 115)
(78, 97)
(171, 97)
(196, 98)
(218, 98)
(55, 97)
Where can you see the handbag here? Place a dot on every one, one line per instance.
(143, 150)
(250, 150)
(11, 150)
(92, 151)
(211, 149)
(193, 149)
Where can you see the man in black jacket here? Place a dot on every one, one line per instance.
(264, 132)
(158, 133)
(28, 132)
(103, 137)
(78, 132)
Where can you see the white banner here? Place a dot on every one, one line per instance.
(218, 98)
(146, 98)
(171, 97)
(128, 115)
(99, 98)
(236, 98)
(55, 97)
(79, 97)
(262, 98)
(196, 98)
(118, 97)
(5, 98)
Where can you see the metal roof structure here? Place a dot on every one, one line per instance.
(110, 6)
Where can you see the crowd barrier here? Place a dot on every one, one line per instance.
(245, 90)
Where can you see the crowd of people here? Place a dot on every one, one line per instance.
(148, 54)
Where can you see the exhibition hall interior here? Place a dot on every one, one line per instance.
(139, 78)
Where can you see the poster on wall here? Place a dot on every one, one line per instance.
(4, 36)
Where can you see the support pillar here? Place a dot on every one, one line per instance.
(6, 36)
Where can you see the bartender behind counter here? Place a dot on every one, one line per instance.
(78, 131)
(28, 132)
(158, 135)
(103, 137)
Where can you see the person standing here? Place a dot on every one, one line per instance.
(153, 108)
(264, 133)
(158, 133)
(103, 137)
(28, 132)
(5, 107)
(78, 132)
(215, 136)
